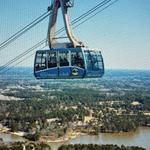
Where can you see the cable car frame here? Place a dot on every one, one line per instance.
(68, 63)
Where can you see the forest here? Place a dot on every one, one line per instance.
(114, 113)
(98, 147)
(43, 146)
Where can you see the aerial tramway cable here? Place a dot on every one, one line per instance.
(87, 13)
(90, 17)
(23, 30)
(22, 54)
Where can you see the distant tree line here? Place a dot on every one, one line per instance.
(98, 147)
(25, 145)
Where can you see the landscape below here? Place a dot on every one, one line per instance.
(59, 110)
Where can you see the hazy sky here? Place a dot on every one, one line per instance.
(122, 31)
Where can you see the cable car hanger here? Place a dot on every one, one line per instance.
(64, 5)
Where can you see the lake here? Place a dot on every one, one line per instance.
(139, 138)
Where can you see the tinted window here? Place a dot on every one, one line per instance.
(93, 60)
(64, 59)
(41, 62)
(88, 60)
(52, 59)
(77, 59)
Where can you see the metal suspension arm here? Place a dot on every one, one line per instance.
(52, 23)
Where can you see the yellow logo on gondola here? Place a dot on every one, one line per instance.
(75, 72)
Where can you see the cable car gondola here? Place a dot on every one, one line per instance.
(66, 63)
(72, 61)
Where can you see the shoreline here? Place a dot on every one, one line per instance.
(64, 139)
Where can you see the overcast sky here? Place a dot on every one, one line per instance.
(122, 31)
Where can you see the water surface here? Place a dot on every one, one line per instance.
(139, 138)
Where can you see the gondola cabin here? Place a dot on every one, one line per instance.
(68, 63)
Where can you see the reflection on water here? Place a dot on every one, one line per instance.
(139, 138)
(10, 138)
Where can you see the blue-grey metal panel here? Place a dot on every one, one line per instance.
(64, 71)
(48, 73)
